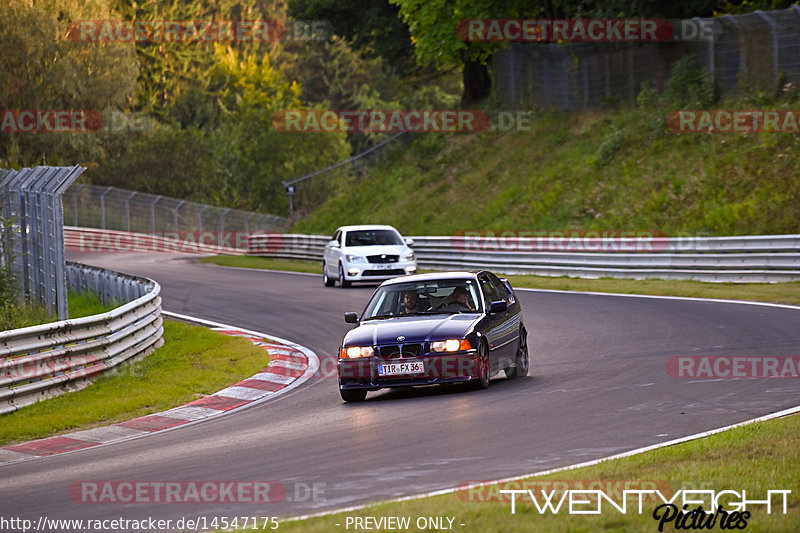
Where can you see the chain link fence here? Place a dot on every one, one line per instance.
(759, 50)
(93, 206)
(311, 190)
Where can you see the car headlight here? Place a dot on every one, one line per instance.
(409, 257)
(355, 259)
(451, 345)
(354, 352)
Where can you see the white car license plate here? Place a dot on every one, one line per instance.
(391, 369)
(386, 266)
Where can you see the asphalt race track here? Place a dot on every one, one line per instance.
(598, 386)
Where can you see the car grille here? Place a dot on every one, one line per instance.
(390, 272)
(393, 351)
(384, 258)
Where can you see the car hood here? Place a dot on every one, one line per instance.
(413, 328)
(396, 249)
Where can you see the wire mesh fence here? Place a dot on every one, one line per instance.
(311, 190)
(93, 206)
(759, 50)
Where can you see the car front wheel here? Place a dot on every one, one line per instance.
(343, 283)
(482, 381)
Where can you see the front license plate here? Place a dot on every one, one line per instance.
(391, 369)
(387, 266)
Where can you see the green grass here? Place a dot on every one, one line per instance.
(86, 304)
(756, 458)
(267, 263)
(79, 304)
(619, 170)
(193, 362)
(786, 293)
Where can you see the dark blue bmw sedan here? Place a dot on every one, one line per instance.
(427, 329)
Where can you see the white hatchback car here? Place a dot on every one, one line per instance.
(366, 253)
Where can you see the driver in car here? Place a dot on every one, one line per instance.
(461, 296)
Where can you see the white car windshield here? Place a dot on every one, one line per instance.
(372, 237)
(423, 298)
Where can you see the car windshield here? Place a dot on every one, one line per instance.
(372, 237)
(443, 296)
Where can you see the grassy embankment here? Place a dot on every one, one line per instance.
(616, 171)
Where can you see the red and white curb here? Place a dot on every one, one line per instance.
(290, 365)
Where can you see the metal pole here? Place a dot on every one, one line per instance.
(75, 205)
(774, 31)
(153, 215)
(103, 207)
(222, 215)
(175, 214)
(128, 211)
(200, 219)
(259, 222)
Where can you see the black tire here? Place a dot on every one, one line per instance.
(484, 369)
(343, 283)
(522, 363)
(328, 281)
(353, 395)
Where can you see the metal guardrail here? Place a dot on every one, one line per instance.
(45, 360)
(717, 259)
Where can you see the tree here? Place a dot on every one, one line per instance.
(169, 69)
(433, 23)
(257, 156)
(373, 27)
(42, 69)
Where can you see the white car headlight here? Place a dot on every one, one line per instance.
(355, 258)
(409, 257)
(354, 352)
(451, 345)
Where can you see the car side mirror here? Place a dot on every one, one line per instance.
(409, 241)
(498, 307)
(333, 244)
(352, 318)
